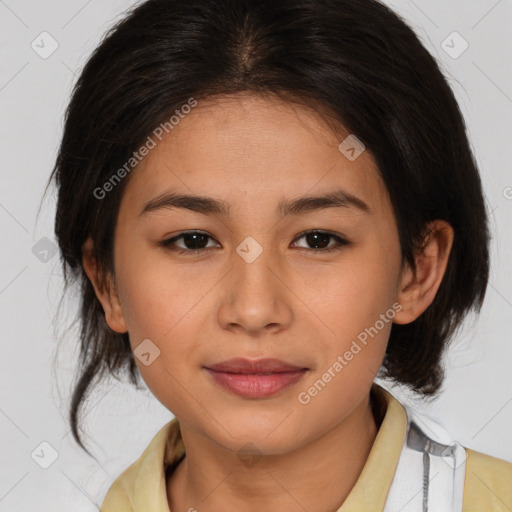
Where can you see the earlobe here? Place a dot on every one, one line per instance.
(417, 288)
(104, 288)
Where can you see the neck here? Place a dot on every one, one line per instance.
(318, 476)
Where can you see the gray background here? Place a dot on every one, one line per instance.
(476, 403)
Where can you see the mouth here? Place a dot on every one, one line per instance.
(260, 378)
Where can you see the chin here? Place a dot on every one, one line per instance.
(263, 436)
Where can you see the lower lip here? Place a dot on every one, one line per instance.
(256, 385)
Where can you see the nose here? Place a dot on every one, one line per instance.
(255, 298)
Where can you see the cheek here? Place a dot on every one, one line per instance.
(358, 291)
(359, 314)
(154, 293)
(168, 303)
(358, 308)
(159, 307)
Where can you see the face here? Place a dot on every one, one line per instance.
(313, 286)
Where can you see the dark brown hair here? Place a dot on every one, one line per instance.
(356, 60)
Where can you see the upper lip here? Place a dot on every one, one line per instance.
(248, 366)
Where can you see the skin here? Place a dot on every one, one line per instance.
(294, 302)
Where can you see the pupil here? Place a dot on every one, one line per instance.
(195, 237)
(312, 239)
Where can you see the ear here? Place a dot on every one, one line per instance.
(104, 288)
(417, 290)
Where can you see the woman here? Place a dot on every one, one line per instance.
(265, 204)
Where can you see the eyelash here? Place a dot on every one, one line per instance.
(168, 244)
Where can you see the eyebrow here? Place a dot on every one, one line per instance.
(209, 205)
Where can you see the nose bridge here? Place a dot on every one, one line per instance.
(252, 264)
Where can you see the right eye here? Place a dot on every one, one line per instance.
(194, 242)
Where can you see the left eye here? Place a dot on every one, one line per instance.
(320, 238)
(196, 241)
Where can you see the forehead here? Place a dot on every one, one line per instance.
(249, 150)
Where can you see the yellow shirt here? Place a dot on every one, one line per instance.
(487, 487)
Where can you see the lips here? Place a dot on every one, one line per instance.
(260, 378)
(246, 366)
